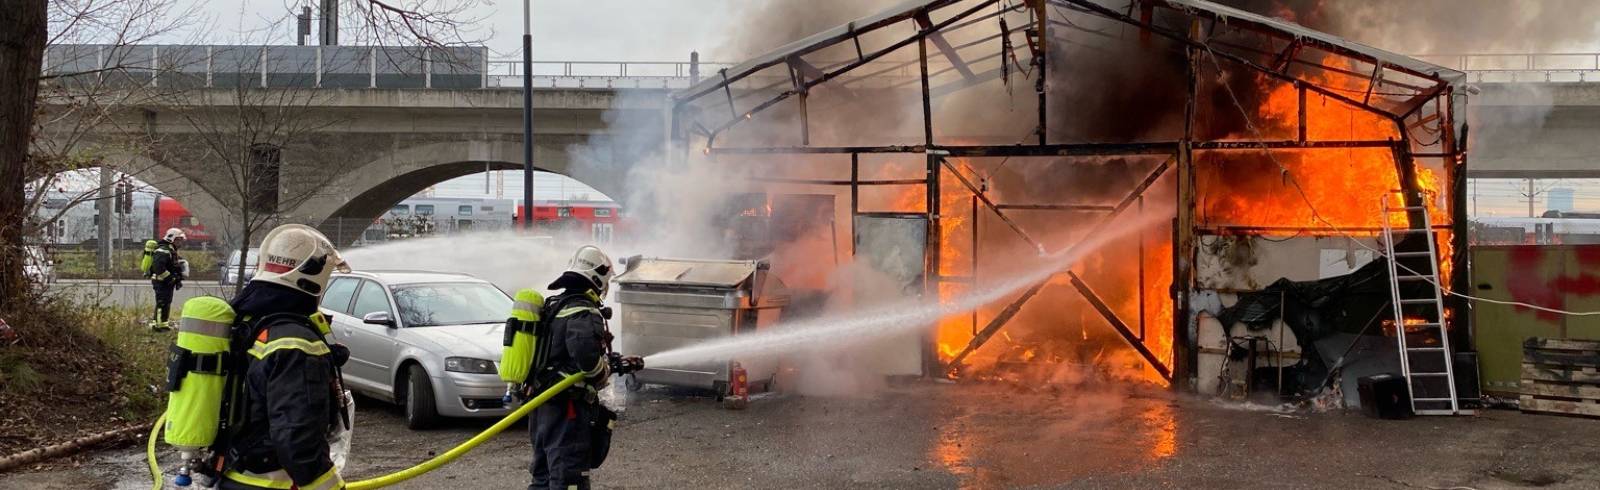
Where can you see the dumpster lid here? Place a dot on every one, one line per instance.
(685, 272)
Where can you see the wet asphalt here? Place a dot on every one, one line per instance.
(935, 435)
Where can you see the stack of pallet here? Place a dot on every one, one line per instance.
(1561, 376)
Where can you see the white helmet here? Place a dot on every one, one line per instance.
(300, 257)
(173, 234)
(593, 265)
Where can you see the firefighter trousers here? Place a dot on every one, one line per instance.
(561, 442)
(163, 298)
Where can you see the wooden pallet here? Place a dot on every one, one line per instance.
(1561, 376)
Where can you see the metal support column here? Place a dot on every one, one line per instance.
(933, 270)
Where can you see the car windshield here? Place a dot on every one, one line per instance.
(429, 305)
(233, 260)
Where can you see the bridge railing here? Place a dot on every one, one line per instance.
(183, 66)
(1521, 67)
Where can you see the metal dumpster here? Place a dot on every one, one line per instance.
(671, 303)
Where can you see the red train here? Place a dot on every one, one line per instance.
(599, 218)
(170, 214)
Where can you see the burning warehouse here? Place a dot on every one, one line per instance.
(1176, 191)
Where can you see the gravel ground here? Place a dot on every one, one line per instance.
(932, 435)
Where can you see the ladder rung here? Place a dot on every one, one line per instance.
(1413, 254)
(1416, 278)
(1415, 208)
(1409, 230)
(1445, 412)
(1430, 375)
(1418, 301)
(1431, 399)
(1425, 349)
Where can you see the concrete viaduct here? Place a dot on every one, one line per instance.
(380, 145)
(372, 148)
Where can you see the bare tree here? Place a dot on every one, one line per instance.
(27, 27)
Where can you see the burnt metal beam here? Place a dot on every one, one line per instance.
(1204, 47)
(1067, 149)
(995, 324)
(943, 45)
(783, 150)
(1011, 310)
(1291, 145)
(918, 37)
(1274, 32)
(976, 192)
(1057, 207)
(853, 31)
(780, 180)
(1121, 328)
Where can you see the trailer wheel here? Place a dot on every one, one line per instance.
(720, 388)
(632, 383)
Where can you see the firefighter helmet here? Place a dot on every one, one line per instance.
(593, 265)
(300, 257)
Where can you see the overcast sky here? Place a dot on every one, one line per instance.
(604, 30)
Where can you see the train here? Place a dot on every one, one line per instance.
(597, 219)
(1553, 228)
(150, 214)
(142, 215)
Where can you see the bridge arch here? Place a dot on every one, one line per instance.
(366, 191)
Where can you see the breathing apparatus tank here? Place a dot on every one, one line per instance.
(521, 339)
(197, 376)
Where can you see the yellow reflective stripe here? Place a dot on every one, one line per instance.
(576, 310)
(162, 275)
(162, 250)
(316, 348)
(328, 481)
(524, 306)
(599, 368)
(276, 479)
(204, 327)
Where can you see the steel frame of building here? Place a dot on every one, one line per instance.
(1410, 94)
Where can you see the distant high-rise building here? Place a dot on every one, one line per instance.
(1560, 200)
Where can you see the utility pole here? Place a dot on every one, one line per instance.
(103, 208)
(1530, 195)
(527, 117)
(329, 27)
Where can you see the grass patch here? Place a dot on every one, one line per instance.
(17, 375)
(77, 369)
(143, 355)
(84, 264)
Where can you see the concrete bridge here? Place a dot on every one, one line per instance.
(386, 133)
(368, 149)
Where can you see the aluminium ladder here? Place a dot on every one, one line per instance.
(1427, 367)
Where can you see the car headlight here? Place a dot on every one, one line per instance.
(468, 365)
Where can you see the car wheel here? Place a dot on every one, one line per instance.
(421, 410)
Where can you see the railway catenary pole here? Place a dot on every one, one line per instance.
(527, 118)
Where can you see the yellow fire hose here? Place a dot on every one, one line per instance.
(426, 466)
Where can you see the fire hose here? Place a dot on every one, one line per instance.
(425, 466)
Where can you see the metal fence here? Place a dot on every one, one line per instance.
(185, 66)
(1521, 67)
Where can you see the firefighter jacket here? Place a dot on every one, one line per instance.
(291, 400)
(578, 338)
(164, 264)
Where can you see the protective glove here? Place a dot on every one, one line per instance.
(339, 354)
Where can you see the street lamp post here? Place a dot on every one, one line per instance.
(527, 117)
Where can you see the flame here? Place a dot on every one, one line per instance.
(1345, 187)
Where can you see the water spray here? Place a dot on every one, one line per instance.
(836, 331)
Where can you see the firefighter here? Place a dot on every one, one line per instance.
(571, 433)
(166, 275)
(292, 401)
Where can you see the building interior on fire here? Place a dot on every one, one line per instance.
(1252, 159)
